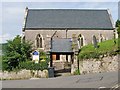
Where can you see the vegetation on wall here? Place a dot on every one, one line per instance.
(77, 72)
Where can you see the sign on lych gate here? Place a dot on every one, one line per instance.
(35, 55)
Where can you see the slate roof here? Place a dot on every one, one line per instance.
(68, 18)
(62, 46)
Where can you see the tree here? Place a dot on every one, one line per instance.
(16, 52)
(118, 31)
(117, 23)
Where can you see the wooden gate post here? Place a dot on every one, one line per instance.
(51, 62)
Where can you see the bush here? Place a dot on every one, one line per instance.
(29, 65)
(16, 51)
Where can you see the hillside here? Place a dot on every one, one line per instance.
(2, 48)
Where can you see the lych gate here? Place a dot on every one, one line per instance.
(61, 54)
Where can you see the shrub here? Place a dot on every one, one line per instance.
(16, 51)
(29, 65)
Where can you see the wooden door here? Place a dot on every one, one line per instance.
(54, 56)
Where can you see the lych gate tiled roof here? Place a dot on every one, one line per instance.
(62, 45)
(68, 18)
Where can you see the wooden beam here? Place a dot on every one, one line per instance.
(51, 61)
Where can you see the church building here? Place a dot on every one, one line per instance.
(56, 30)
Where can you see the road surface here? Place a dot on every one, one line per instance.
(101, 80)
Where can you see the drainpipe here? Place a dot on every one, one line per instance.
(66, 38)
(66, 33)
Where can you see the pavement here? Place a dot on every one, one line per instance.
(99, 80)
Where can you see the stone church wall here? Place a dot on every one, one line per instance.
(87, 35)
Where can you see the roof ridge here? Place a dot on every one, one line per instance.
(68, 9)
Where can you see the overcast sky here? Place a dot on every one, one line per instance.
(13, 12)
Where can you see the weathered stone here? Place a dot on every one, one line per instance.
(44, 74)
(39, 73)
(106, 64)
(73, 69)
(23, 74)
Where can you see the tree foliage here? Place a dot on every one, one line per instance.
(118, 31)
(117, 23)
(16, 52)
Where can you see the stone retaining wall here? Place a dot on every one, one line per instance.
(105, 64)
(23, 74)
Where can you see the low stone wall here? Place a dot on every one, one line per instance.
(105, 64)
(23, 74)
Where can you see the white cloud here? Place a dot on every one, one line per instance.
(14, 10)
(12, 18)
(5, 37)
(60, 0)
(10, 12)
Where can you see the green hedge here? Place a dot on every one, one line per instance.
(29, 65)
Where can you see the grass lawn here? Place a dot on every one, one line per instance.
(104, 47)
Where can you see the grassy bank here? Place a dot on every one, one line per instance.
(106, 47)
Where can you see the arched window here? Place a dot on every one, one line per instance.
(39, 41)
(80, 41)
